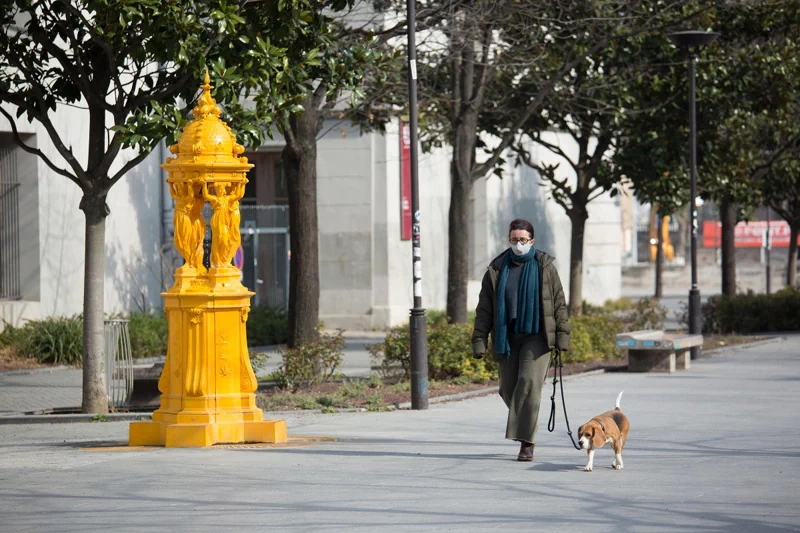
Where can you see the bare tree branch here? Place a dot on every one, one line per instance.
(41, 115)
(36, 151)
(141, 156)
(481, 170)
(761, 170)
(556, 150)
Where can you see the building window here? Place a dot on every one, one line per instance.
(9, 224)
(266, 181)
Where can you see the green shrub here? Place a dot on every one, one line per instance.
(438, 317)
(753, 313)
(610, 306)
(449, 354)
(307, 402)
(55, 340)
(392, 357)
(593, 337)
(59, 340)
(11, 336)
(149, 334)
(267, 326)
(313, 362)
(647, 313)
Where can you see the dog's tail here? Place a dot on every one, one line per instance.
(619, 397)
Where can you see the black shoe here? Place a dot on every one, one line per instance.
(525, 452)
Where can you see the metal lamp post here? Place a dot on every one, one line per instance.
(418, 323)
(693, 41)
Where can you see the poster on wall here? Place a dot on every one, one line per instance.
(405, 181)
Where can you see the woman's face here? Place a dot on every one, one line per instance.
(520, 236)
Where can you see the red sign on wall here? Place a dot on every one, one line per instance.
(748, 234)
(405, 182)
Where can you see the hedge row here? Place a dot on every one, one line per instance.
(753, 313)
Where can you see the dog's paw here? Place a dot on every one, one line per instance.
(587, 468)
(616, 466)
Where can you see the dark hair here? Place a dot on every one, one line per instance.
(522, 224)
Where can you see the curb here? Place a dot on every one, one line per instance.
(47, 370)
(64, 419)
(490, 390)
(150, 360)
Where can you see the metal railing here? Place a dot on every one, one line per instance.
(119, 362)
(9, 225)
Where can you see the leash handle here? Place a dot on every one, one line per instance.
(558, 375)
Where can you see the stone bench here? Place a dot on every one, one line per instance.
(145, 386)
(656, 351)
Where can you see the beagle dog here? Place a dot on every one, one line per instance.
(611, 426)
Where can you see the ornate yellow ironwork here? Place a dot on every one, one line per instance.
(208, 384)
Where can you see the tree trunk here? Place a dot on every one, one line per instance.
(659, 290)
(727, 211)
(300, 165)
(791, 266)
(95, 394)
(458, 248)
(578, 216)
(458, 231)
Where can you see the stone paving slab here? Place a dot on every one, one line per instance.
(711, 449)
(40, 390)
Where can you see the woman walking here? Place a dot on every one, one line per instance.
(522, 305)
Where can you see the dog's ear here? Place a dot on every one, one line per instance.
(598, 435)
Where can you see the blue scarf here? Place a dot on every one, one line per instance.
(527, 301)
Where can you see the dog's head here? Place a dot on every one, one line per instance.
(591, 435)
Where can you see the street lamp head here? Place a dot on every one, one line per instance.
(692, 39)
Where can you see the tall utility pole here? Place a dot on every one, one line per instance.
(417, 324)
(693, 41)
(768, 249)
(659, 292)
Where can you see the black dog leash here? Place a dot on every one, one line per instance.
(558, 375)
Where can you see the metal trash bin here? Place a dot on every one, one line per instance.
(119, 362)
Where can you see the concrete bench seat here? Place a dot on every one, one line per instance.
(657, 351)
(145, 386)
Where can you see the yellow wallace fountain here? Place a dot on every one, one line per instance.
(207, 385)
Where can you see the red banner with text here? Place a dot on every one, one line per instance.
(405, 182)
(748, 234)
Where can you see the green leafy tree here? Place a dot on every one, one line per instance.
(751, 84)
(346, 58)
(592, 105)
(133, 67)
(745, 98)
(473, 58)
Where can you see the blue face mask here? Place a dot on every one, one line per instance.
(521, 249)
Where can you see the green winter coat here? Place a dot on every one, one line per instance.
(555, 316)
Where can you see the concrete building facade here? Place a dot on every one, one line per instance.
(365, 266)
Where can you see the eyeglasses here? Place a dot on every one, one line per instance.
(522, 241)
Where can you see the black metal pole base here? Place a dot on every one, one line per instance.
(695, 319)
(419, 359)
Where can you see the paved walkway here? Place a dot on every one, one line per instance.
(712, 449)
(40, 390)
